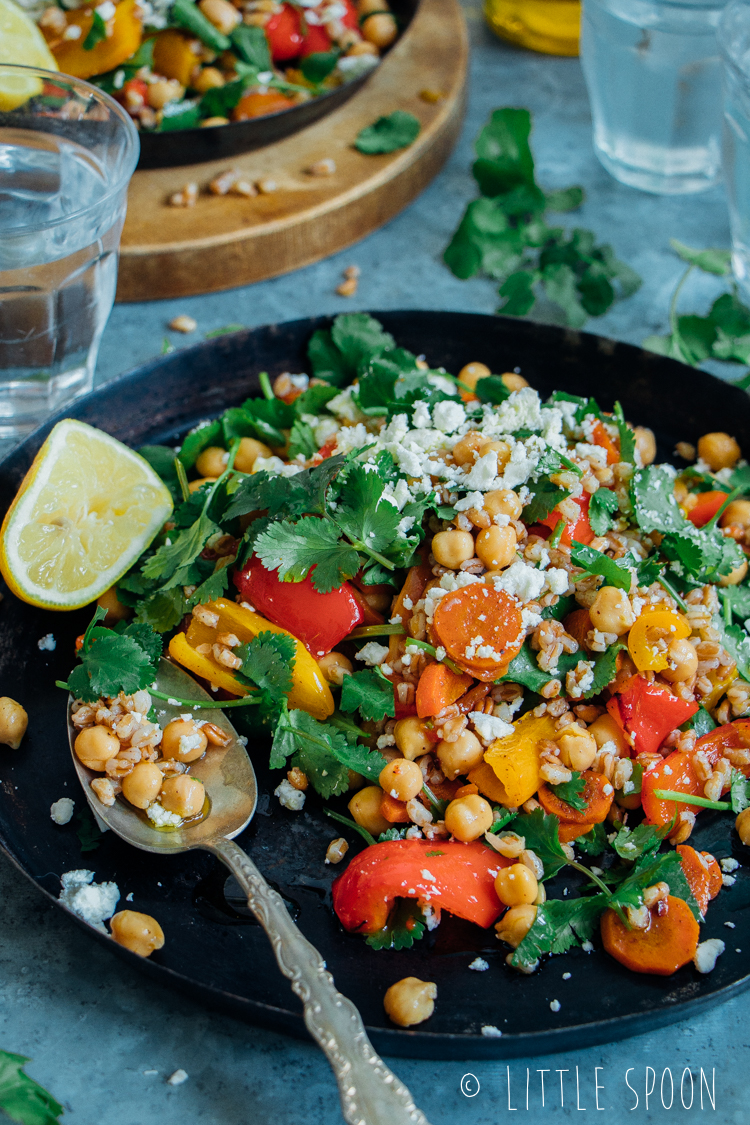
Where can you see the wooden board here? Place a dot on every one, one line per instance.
(226, 241)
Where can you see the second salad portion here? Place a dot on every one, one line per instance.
(488, 631)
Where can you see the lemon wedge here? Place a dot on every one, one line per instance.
(87, 508)
(22, 43)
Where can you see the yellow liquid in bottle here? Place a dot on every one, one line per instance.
(549, 26)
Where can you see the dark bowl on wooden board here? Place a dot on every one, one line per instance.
(214, 951)
(194, 146)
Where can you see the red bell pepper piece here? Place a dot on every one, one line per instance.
(706, 507)
(320, 621)
(447, 875)
(284, 35)
(581, 530)
(648, 712)
(677, 772)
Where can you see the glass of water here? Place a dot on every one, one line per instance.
(653, 73)
(67, 152)
(734, 41)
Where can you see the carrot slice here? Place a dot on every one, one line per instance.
(700, 874)
(715, 879)
(668, 944)
(438, 687)
(480, 628)
(568, 832)
(578, 624)
(412, 590)
(393, 810)
(602, 439)
(595, 794)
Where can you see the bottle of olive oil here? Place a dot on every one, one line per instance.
(550, 26)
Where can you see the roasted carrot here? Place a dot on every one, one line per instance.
(393, 810)
(669, 943)
(568, 832)
(701, 871)
(602, 439)
(438, 687)
(480, 628)
(411, 591)
(578, 624)
(258, 105)
(598, 794)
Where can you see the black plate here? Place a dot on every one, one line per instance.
(193, 146)
(214, 951)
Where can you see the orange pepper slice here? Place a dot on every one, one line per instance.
(646, 631)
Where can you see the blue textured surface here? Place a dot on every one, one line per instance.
(97, 1031)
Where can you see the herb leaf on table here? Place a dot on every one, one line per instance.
(388, 134)
(23, 1099)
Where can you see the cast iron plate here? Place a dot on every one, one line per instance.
(602, 1001)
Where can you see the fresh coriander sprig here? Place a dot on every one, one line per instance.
(387, 630)
(425, 647)
(366, 836)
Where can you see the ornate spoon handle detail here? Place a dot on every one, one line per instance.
(370, 1093)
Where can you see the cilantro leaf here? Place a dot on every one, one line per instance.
(162, 460)
(644, 839)
(605, 670)
(267, 663)
(654, 502)
(388, 134)
(204, 434)
(302, 494)
(326, 360)
(572, 791)
(701, 722)
(212, 588)
(162, 610)
(146, 638)
(546, 497)
(97, 32)
(718, 262)
(524, 669)
(23, 1099)
(595, 562)
(737, 643)
(603, 505)
(301, 441)
(171, 563)
(327, 775)
(739, 791)
(359, 338)
(738, 598)
(370, 692)
(593, 842)
(322, 750)
(110, 664)
(260, 418)
(313, 400)
(492, 389)
(559, 924)
(627, 436)
(405, 925)
(88, 831)
(311, 544)
(651, 869)
(369, 524)
(541, 834)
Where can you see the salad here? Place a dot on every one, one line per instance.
(177, 64)
(486, 632)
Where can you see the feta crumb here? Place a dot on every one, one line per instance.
(483, 473)
(566, 976)
(372, 653)
(161, 818)
(707, 954)
(729, 925)
(521, 581)
(587, 946)
(47, 643)
(428, 875)
(129, 898)
(289, 797)
(89, 900)
(448, 416)
(490, 1031)
(489, 727)
(479, 965)
(729, 880)
(177, 1078)
(729, 864)
(62, 810)
(554, 1005)
(385, 740)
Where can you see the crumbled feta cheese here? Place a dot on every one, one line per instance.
(557, 580)
(587, 946)
(729, 925)
(385, 740)
(129, 898)
(471, 500)
(161, 817)
(554, 1005)
(521, 581)
(47, 643)
(489, 727)
(729, 880)
(707, 954)
(490, 1031)
(431, 916)
(289, 797)
(421, 419)
(729, 864)
(62, 810)
(479, 965)
(177, 1078)
(372, 653)
(89, 900)
(343, 406)
(105, 10)
(483, 473)
(448, 416)
(351, 437)
(566, 976)
(272, 465)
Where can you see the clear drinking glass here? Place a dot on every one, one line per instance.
(67, 152)
(734, 42)
(653, 73)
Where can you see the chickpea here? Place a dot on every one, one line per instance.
(334, 666)
(96, 745)
(248, 453)
(503, 502)
(501, 448)
(367, 7)
(683, 661)
(183, 795)
(577, 748)
(451, 548)
(212, 461)
(736, 514)
(611, 611)
(362, 48)
(402, 779)
(468, 818)
(365, 809)
(465, 754)
(515, 924)
(604, 730)
(223, 15)
(645, 445)
(496, 546)
(472, 373)
(513, 381)
(465, 450)
(735, 576)
(718, 450)
(140, 933)
(116, 611)
(742, 824)
(141, 786)
(13, 722)
(516, 885)
(210, 78)
(410, 1001)
(163, 91)
(380, 602)
(196, 484)
(411, 737)
(380, 29)
(184, 740)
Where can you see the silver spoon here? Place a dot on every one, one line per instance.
(370, 1093)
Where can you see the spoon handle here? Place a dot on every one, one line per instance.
(370, 1093)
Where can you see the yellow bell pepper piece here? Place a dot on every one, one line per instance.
(721, 679)
(310, 692)
(175, 55)
(124, 41)
(514, 762)
(650, 627)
